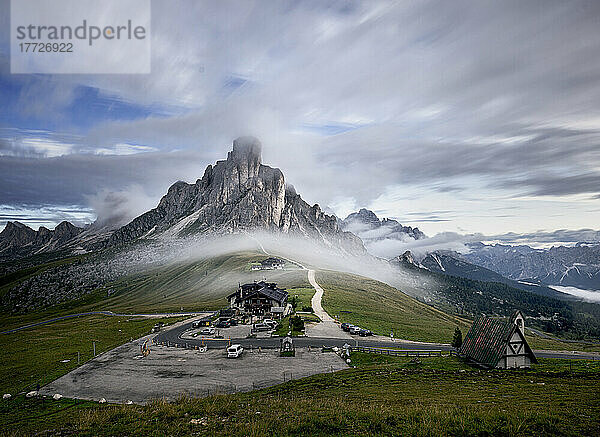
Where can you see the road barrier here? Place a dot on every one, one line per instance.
(403, 353)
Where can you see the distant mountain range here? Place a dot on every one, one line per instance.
(577, 266)
(521, 266)
(18, 240)
(453, 264)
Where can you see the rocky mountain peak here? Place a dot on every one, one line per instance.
(365, 215)
(406, 260)
(16, 232)
(66, 230)
(18, 240)
(371, 229)
(239, 193)
(246, 150)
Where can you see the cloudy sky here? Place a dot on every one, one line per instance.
(469, 117)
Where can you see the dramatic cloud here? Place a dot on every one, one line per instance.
(467, 103)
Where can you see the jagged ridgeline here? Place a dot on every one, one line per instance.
(239, 193)
(234, 195)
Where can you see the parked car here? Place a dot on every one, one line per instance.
(235, 351)
(270, 323)
(261, 327)
(223, 324)
(346, 326)
(355, 330)
(365, 333)
(233, 322)
(208, 331)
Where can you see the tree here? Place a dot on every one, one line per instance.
(297, 323)
(457, 339)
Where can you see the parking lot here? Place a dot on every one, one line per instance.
(121, 375)
(238, 331)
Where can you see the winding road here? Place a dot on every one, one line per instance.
(316, 299)
(173, 337)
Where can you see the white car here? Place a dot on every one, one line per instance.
(270, 323)
(355, 330)
(208, 331)
(235, 351)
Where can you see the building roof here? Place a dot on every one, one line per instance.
(276, 294)
(487, 339)
(272, 260)
(267, 289)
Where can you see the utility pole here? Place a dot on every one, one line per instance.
(78, 358)
(94, 347)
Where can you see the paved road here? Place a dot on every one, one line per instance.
(91, 313)
(172, 337)
(564, 340)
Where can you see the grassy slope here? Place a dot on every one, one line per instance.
(381, 308)
(304, 295)
(203, 284)
(438, 397)
(544, 343)
(191, 286)
(34, 355)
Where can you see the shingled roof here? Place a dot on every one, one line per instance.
(487, 339)
(277, 294)
(267, 289)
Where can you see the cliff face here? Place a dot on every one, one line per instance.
(239, 193)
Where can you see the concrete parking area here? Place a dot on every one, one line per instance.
(326, 329)
(122, 375)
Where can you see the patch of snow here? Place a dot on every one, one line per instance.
(437, 259)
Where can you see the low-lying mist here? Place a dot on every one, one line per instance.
(308, 253)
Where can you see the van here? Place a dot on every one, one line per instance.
(235, 351)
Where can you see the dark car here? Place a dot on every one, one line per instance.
(365, 333)
(223, 324)
(233, 322)
(346, 326)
